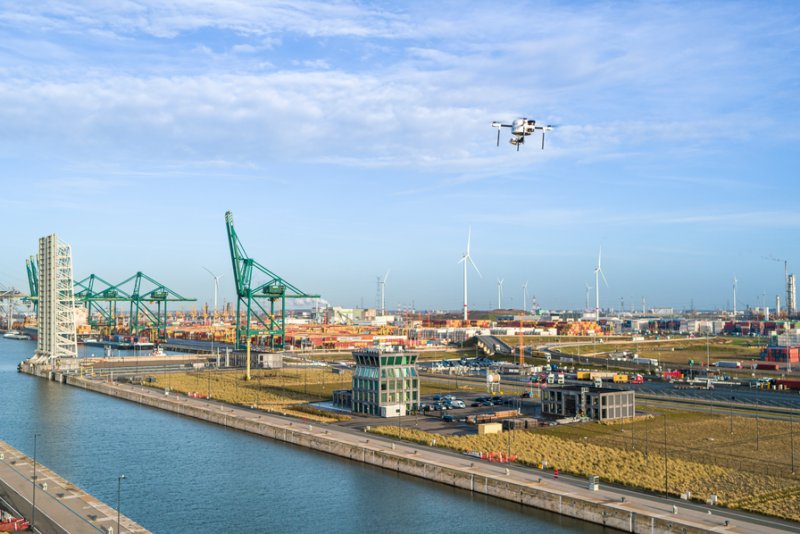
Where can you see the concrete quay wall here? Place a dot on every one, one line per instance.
(609, 514)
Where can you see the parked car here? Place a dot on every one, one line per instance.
(487, 403)
(475, 404)
(437, 398)
(448, 418)
(527, 395)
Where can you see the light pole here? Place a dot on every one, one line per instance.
(119, 491)
(757, 407)
(666, 472)
(33, 512)
(731, 406)
(791, 432)
(646, 442)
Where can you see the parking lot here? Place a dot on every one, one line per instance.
(432, 421)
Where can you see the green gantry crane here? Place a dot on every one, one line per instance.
(160, 295)
(32, 266)
(275, 289)
(85, 291)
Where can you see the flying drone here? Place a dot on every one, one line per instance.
(519, 129)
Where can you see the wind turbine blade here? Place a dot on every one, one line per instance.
(600, 255)
(604, 276)
(462, 259)
(476, 267)
(212, 274)
(387, 275)
(469, 238)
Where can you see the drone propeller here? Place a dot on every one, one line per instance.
(544, 129)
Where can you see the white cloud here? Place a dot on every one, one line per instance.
(168, 18)
(243, 49)
(316, 64)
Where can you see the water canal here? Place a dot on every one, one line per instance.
(184, 475)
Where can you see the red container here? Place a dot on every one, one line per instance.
(767, 366)
(788, 384)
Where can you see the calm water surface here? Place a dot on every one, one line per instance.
(187, 476)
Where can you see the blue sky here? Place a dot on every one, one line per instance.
(349, 137)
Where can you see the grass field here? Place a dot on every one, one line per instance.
(277, 390)
(678, 351)
(698, 437)
(761, 493)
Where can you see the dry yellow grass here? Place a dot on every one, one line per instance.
(698, 438)
(278, 391)
(628, 468)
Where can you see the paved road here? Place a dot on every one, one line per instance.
(60, 509)
(637, 501)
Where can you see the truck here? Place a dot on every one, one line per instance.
(734, 365)
(674, 375)
(767, 367)
(788, 384)
(584, 375)
(645, 361)
(560, 378)
(598, 382)
(636, 379)
(620, 378)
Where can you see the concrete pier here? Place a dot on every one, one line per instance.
(61, 508)
(625, 510)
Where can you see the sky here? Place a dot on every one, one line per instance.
(348, 138)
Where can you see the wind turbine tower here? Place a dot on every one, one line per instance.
(597, 273)
(464, 259)
(525, 298)
(216, 288)
(382, 286)
(499, 292)
(734, 297)
(588, 288)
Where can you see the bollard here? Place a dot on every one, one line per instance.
(507, 471)
(310, 427)
(392, 446)
(674, 509)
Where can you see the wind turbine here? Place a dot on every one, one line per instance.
(499, 292)
(598, 271)
(587, 295)
(464, 259)
(216, 288)
(524, 298)
(734, 296)
(382, 284)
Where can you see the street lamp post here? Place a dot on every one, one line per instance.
(757, 407)
(33, 512)
(666, 472)
(646, 442)
(731, 405)
(119, 492)
(791, 431)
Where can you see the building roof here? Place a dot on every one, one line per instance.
(590, 389)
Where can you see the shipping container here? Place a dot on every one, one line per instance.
(767, 366)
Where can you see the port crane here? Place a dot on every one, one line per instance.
(521, 128)
(94, 292)
(248, 307)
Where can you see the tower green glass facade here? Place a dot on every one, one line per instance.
(385, 378)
